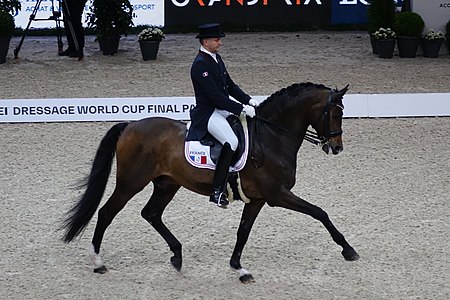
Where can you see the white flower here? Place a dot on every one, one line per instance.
(152, 33)
(384, 34)
(433, 35)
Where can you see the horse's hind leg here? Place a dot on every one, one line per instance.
(106, 214)
(163, 192)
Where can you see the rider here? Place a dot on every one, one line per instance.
(213, 87)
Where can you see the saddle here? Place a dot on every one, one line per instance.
(205, 153)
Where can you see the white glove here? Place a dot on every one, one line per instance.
(249, 111)
(253, 103)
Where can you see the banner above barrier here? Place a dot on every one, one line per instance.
(145, 12)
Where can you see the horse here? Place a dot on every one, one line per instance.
(152, 150)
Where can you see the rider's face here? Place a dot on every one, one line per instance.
(212, 44)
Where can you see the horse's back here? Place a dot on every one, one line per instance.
(152, 122)
(156, 127)
(151, 136)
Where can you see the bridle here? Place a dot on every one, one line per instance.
(310, 135)
(326, 115)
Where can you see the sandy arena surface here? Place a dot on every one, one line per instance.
(388, 192)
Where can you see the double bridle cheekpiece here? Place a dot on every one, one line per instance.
(310, 135)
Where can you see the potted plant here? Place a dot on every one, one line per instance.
(385, 42)
(380, 14)
(149, 39)
(6, 31)
(431, 43)
(7, 25)
(110, 19)
(409, 27)
(11, 6)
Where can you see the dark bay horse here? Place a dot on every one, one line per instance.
(152, 150)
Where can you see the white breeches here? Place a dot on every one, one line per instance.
(220, 129)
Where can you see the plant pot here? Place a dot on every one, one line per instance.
(385, 48)
(431, 48)
(109, 44)
(407, 46)
(149, 49)
(373, 43)
(4, 46)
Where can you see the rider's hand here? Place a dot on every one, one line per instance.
(253, 103)
(249, 111)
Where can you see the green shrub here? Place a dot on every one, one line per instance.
(6, 24)
(11, 6)
(380, 14)
(111, 17)
(408, 24)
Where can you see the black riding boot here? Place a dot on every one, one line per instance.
(221, 175)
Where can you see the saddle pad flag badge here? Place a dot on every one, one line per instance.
(200, 159)
(205, 74)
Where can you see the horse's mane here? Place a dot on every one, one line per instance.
(286, 98)
(292, 91)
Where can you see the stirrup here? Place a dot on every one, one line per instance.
(219, 198)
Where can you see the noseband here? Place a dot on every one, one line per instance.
(326, 114)
(312, 136)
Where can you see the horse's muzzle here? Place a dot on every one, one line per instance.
(336, 150)
(335, 147)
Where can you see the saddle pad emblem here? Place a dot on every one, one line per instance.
(199, 155)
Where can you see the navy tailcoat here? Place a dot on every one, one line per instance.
(212, 87)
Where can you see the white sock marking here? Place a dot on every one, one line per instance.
(96, 259)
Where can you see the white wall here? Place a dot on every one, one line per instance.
(435, 13)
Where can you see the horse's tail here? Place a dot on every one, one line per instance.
(81, 213)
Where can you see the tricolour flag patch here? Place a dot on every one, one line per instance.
(200, 159)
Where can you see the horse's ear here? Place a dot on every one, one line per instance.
(339, 94)
(344, 90)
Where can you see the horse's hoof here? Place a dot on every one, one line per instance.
(350, 254)
(247, 278)
(101, 270)
(176, 263)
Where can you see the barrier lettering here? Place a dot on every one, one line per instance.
(43, 110)
(100, 109)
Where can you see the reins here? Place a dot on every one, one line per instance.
(310, 136)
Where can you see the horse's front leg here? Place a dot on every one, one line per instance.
(248, 218)
(290, 201)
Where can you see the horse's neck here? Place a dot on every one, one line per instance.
(285, 130)
(292, 118)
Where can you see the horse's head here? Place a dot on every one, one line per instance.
(328, 120)
(293, 109)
